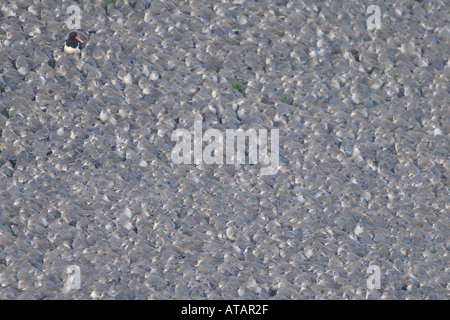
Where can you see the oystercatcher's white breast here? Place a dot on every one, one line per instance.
(70, 50)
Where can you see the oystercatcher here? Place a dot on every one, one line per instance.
(73, 44)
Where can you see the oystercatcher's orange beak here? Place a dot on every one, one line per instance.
(79, 39)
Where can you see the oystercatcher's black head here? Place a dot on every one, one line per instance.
(73, 40)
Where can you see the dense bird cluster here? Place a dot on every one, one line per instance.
(87, 179)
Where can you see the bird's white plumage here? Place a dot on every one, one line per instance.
(70, 50)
